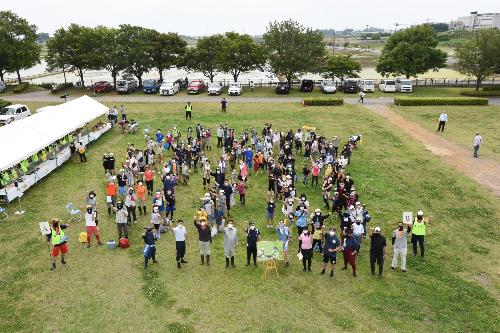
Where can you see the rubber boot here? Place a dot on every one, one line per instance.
(208, 260)
(227, 262)
(232, 262)
(202, 259)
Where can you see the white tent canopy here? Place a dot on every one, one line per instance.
(21, 139)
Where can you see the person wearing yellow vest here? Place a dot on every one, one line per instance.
(59, 240)
(188, 108)
(418, 232)
(81, 152)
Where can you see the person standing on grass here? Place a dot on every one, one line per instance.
(330, 249)
(149, 175)
(305, 248)
(82, 150)
(140, 191)
(418, 233)
(284, 237)
(399, 244)
(230, 243)
(130, 204)
(205, 238)
(377, 250)
(241, 192)
(301, 219)
(121, 216)
(351, 247)
(361, 97)
(91, 225)
(271, 206)
(253, 236)
(180, 242)
(443, 119)
(59, 242)
(149, 245)
(188, 108)
(478, 140)
(111, 191)
(358, 230)
(223, 105)
(123, 112)
(156, 221)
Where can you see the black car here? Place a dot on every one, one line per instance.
(282, 88)
(350, 87)
(306, 85)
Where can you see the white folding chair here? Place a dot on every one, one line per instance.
(74, 213)
(3, 213)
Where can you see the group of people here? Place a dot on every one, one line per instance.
(171, 157)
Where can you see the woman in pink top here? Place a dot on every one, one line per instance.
(305, 247)
(315, 173)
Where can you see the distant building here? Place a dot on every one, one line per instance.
(476, 21)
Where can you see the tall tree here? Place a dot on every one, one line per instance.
(111, 54)
(205, 56)
(410, 52)
(137, 47)
(293, 49)
(240, 54)
(168, 50)
(19, 40)
(73, 48)
(341, 66)
(479, 56)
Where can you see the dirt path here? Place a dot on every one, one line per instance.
(483, 170)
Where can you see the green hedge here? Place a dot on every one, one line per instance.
(45, 85)
(21, 87)
(416, 101)
(492, 88)
(480, 93)
(322, 101)
(4, 103)
(61, 86)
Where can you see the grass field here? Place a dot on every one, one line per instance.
(463, 123)
(454, 289)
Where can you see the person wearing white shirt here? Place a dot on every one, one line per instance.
(478, 140)
(180, 242)
(443, 119)
(91, 225)
(358, 230)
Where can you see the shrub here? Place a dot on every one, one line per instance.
(61, 86)
(21, 87)
(417, 101)
(45, 85)
(322, 101)
(492, 88)
(480, 93)
(4, 103)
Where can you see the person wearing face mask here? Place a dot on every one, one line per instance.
(305, 248)
(317, 221)
(377, 250)
(205, 238)
(140, 189)
(283, 234)
(180, 242)
(303, 201)
(149, 246)
(399, 244)
(253, 236)
(358, 231)
(301, 218)
(418, 233)
(59, 242)
(351, 247)
(332, 246)
(91, 200)
(130, 201)
(230, 243)
(348, 183)
(91, 225)
(121, 215)
(156, 221)
(170, 204)
(228, 190)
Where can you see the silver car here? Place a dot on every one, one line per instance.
(214, 88)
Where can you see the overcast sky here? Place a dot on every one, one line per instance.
(203, 17)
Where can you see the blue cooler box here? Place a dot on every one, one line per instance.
(111, 244)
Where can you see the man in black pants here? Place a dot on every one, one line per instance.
(223, 104)
(188, 108)
(377, 250)
(253, 236)
(180, 242)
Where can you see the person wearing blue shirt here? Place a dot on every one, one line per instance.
(330, 249)
(248, 157)
(351, 248)
(301, 219)
(283, 234)
(159, 136)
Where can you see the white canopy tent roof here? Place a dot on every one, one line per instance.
(21, 139)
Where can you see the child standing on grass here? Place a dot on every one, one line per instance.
(241, 191)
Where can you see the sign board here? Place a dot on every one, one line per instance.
(269, 250)
(407, 217)
(45, 228)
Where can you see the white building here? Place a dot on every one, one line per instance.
(476, 21)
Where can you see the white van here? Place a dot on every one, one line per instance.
(367, 85)
(404, 85)
(387, 85)
(126, 86)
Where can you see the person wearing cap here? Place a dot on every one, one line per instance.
(350, 247)
(253, 236)
(283, 234)
(230, 243)
(205, 238)
(149, 245)
(105, 163)
(399, 245)
(358, 230)
(121, 217)
(111, 191)
(140, 191)
(305, 248)
(59, 242)
(180, 242)
(377, 250)
(130, 204)
(301, 218)
(330, 249)
(478, 140)
(418, 233)
(91, 224)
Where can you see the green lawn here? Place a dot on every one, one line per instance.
(463, 123)
(454, 289)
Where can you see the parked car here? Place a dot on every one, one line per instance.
(306, 85)
(151, 86)
(235, 89)
(282, 88)
(13, 112)
(196, 87)
(387, 85)
(169, 88)
(2, 86)
(101, 87)
(367, 85)
(350, 86)
(328, 87)
(126, 86)
(404, 85)
(214, 88)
